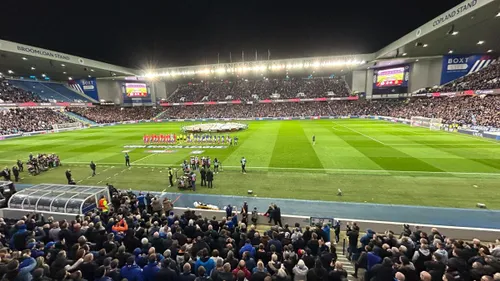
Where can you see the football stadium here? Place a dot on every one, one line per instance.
(255, 168)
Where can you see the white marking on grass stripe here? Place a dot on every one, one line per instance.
(372, 138)
(143, 158)
(355, 171)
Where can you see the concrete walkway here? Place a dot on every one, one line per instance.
(477, 218)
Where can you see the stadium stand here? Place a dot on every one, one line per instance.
(14, 121)
(49, 91)
(458, 110)
(244, 89)
(11, 94)
(467, 110)
(127, 239)
(109, 114)
(486, 78)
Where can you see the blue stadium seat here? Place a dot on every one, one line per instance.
(49, 90)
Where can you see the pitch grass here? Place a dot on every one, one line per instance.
(371, 161)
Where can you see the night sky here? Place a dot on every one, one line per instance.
(167, 33)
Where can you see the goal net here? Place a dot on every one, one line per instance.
(67, 126)
(431, 123)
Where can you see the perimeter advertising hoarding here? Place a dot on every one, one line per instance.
(392, 80)
(456, 66)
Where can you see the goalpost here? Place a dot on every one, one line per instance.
(431, 123)
(67, 126)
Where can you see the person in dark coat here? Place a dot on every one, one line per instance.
(15, 172)
(203, 175)
(68, 177)
(381, 272)
(210, 178)
(186, 274)
(277, 215)
(317, 273)
(166, 273)
(88, 267)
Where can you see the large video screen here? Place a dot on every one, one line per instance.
(390, 77)
(137, 90)
(391, 80)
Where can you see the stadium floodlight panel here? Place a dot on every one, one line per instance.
(481, 42)
(10, 71)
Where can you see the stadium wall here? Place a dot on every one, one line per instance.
(358, 81)
(369, 83)
(425, 73)
(110, 90)
(158, 90)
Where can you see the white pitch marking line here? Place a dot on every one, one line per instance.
(374, 139)
(359, 171)
(143, 158)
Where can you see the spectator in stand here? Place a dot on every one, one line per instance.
(260, 89)
(11, 94)
(111, 114)
(91, 257)
(25, 120)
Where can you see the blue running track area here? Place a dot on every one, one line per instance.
(478, 218)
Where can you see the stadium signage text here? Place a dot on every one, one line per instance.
(178, 146)
(44, 53)
(453, 13)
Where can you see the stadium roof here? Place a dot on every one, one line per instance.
(23, 61)
(459, 30)
(468, 28)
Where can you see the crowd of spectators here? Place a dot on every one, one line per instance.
(248, 111)
(138, 241)
(139, 238)
(459, 110)
(11, 94)
(14, 121)
(110, 114)
(416, 255)
(487, 78)
(260, 89)
(469, 110)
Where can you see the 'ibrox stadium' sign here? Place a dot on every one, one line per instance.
(453, 13)
(45, 53)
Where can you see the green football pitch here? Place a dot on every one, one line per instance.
(370, 161)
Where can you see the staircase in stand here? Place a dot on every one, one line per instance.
(348, 265)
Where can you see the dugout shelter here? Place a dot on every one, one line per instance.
(55, 200)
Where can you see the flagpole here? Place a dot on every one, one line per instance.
(218, 61)
(230, 58)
